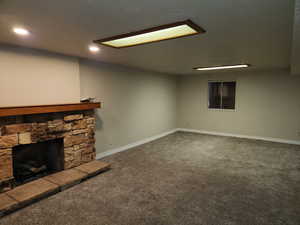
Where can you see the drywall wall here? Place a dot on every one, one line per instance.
(267, 104)
(31, 77)
(295, 65)
(136, 104)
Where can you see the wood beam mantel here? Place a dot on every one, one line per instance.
(39, 109)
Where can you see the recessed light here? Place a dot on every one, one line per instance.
(223, 67)
(94, 48)
(154, 34)
(21, 31)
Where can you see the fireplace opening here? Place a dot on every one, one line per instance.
(33, 161)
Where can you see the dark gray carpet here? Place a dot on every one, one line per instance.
(179, 180)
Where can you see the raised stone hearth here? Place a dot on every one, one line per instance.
(33, 191)
(76, 129)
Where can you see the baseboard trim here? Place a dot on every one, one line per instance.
(134, 144)
(278, 140)
(146, 140)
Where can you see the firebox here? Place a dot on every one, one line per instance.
(36, 160)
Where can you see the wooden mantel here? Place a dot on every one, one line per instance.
(39, 109)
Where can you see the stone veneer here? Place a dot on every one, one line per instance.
(76, 129)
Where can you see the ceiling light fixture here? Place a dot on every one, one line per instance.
(94, 48)
(154, 34)
(223, 67)
(21, 31)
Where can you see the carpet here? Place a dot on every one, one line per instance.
(182, 179)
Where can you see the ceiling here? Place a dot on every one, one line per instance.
(246, 31)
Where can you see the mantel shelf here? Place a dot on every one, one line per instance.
(39, 109)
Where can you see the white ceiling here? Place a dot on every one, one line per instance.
(258, 32)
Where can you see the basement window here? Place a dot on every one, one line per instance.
(221, 95)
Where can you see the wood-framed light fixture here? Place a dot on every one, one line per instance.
(154, 34)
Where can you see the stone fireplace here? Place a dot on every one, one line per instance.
(35, 145)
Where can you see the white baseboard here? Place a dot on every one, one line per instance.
(146, 140)
(241, 136)
(132, 145)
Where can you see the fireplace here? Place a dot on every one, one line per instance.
(37, 160)
(44, 150)
(39, 140)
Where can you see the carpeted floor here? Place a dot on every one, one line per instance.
(182, 179)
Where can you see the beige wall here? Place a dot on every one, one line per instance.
(29, 77)
(136, 105)
(268, 105)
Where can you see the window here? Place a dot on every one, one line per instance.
(221, 95)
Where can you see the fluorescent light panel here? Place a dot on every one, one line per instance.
(165, 32)
(223, 67)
